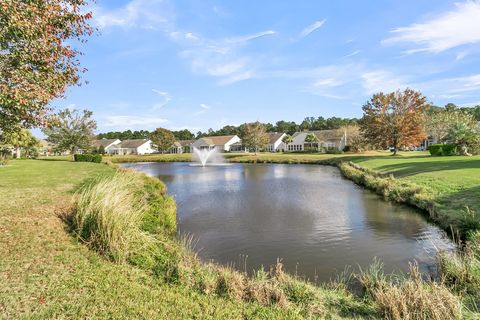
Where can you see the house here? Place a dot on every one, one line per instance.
(238, 147)
(221, 143)
(326, 140)
(182, 146)
(133, 146)
(107, 144)
(275, 142)
(49, 149)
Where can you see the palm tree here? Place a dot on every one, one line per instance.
(311, 138)
(287, 140)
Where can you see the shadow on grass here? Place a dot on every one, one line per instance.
(415, 167)
(460, 210)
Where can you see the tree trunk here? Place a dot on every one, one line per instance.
(395, 149)
(17, 152)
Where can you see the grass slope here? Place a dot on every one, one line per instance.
(45, 273)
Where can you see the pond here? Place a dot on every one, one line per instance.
(309, 216)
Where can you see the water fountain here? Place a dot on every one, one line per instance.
(204, 157)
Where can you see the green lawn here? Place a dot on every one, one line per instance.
(454, 181)
(45, 273)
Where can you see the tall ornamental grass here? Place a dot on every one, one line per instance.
(108, 214)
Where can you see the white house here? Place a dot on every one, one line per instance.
(326, 139)
(221, 143)
(107, 144)
(133, 146)
(275, 142)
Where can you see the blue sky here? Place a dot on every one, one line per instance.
(203, 64)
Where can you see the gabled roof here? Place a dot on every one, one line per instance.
(185, 143)
(132, 143)
(217, 140)
(103, 142)
(274, 136)
(324, 135)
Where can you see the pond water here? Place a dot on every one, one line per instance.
(311, 217)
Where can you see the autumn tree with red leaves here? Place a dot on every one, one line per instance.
(37, 59)
(395, 119)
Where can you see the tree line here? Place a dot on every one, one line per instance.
(288, 127)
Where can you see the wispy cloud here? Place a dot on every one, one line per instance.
(128, 121)
(166, 99)
(461, 55)
(224, 58)
(354, 53)
(203, 108)
(456, 85)
(248, 37)
(314, 26)
(382, 80)
(460, 26)
(147, 14)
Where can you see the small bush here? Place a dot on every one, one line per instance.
(442, 149)
(4, 159)
(97, 158)
(230, 283)
(435, 149)
(449, 150)
(333, 151)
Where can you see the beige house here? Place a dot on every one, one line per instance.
(326, 140)
(221, 143)
(275, 142)
(182, 146)
(107, 144)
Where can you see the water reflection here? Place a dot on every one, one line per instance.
(308, 215)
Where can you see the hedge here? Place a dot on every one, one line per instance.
(442, 149)
(97, 158)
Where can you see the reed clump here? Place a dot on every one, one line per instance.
(124, 217)
(415, 299)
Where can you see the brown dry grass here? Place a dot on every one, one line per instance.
(415, 299)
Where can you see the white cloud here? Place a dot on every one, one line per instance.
(456, 85)
(382, 80)
(460, 26)
(249, 74)
(328, 82)
(133, 121)
(354, 53)
(203, 108)
(148, 14)
(461, 55)
(191, 36)
(223, 58)
(166, 99)
(314, 26)
(227, 69)
(249, 37)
